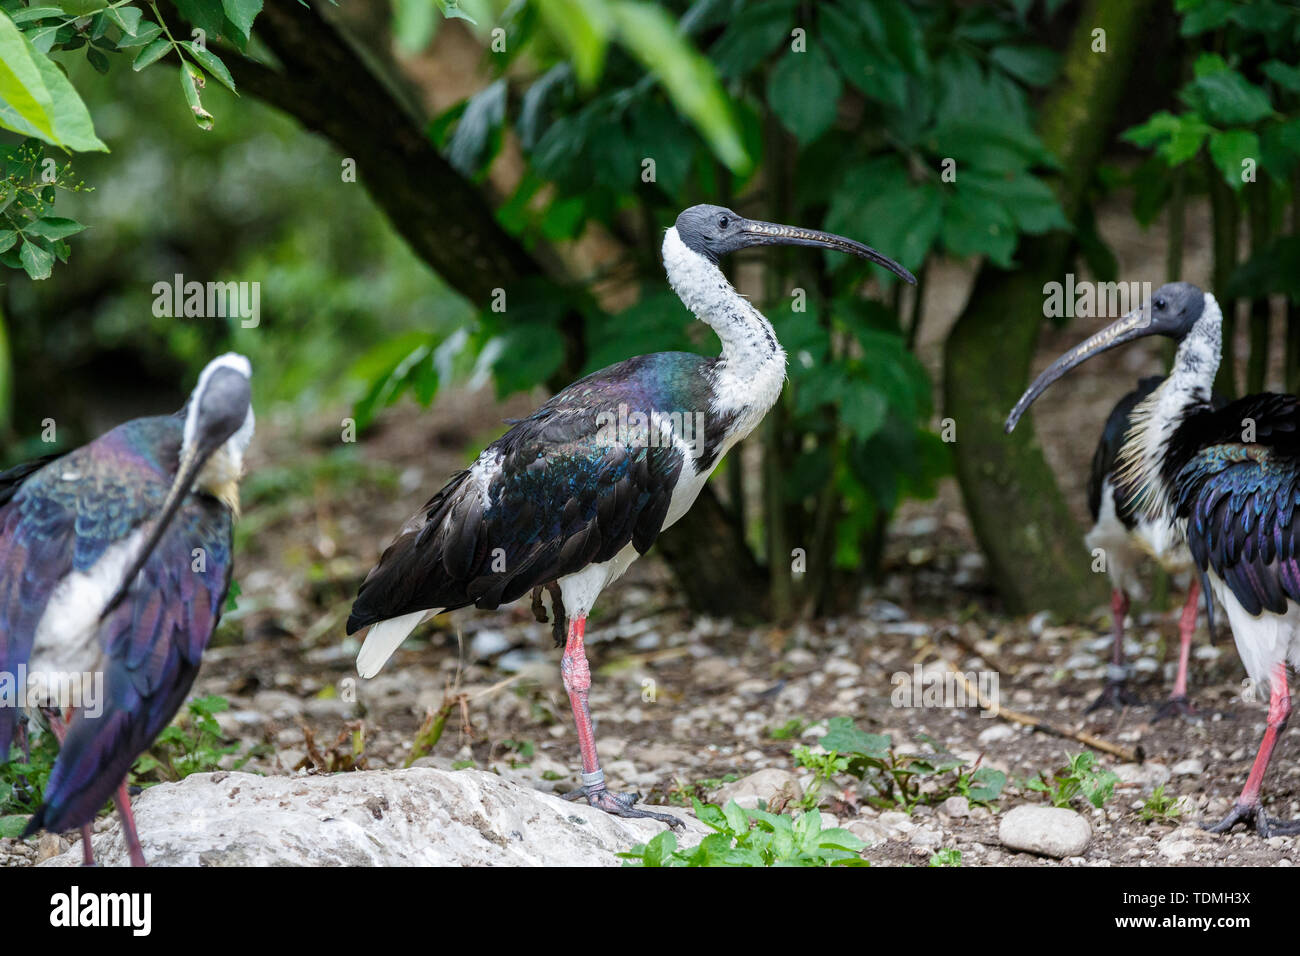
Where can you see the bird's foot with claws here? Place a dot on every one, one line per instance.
(620, 804)
(1177, 707)
(1254, 817)
(1114, 695)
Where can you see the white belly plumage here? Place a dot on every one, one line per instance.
(67, 636)
(1262, 640)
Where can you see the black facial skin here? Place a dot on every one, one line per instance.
(715, 231)
(1172, 312)
(222, 407)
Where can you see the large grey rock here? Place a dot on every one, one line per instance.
(772, 786)
(1047, 831)
(416, 817)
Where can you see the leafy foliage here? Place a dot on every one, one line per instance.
(1160, 807)
(38, 101)
(612, 140)
(22, 783)
(753, 838)
(900, 780)
(31, 238)
(193, 743)
(1081, 776)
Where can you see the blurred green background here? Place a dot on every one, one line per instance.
(541, 147)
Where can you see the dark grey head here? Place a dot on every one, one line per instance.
(219, 406)
(218, 418)
(1173, 311)
(715, 231)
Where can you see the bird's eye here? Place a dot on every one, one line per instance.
(723, 222)
(1160, 302)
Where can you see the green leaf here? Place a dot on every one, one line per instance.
(651, 36)
(53, 227)
(749, 39)
(145, 35)
(1224, 95)
(843, 736)
(36, 98)
(212, 63)
(873, 70)
(30, 14)
(190, 87)
(126, 18)
(7, 239)
(1176, 138)
(12, 826)
(1229, 150)
(241, 14)
(37, 263)
(478, 133)
(414, 25)
(878, 204)
(660, 850)
(583, 28)
(1032, 65)
(152, 53)
(1203, 15)
(529, 353)
(803, 90)
(1283, 74)
(452, 11)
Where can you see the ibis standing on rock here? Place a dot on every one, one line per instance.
(1229, 479)
(565, 500)
(1126, 537)
(115, 560)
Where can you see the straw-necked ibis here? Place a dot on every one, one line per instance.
(565, 500)
(1127, 538)
(1230, 479)
(115, 560)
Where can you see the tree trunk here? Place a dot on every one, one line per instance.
(1033, 545)
(328, 86)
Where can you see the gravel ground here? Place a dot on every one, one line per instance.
(684, 703)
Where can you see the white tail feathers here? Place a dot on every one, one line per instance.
(386, 637)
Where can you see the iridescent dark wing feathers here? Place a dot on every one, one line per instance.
(557, 492)
(64, 517)
(1236, 477)
(549, 506)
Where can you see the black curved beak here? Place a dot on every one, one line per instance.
(1134, 325)
(189, 469)
(758, 233)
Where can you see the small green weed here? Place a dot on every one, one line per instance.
(753, 838)
(948, 857)
(23, 782)
(1079, 777)
(193, 743)
(1160, 807)
(789, 730)
(895, 777)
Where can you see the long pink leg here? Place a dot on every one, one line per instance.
(59, 727)
(1178, 704)
(1248, 808)
(576, 672)
(1186, 627)
(123, 801)
(1115, 694)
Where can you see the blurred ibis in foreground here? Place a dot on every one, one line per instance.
(1229, 479)
(115, 559)
(565, 500)
(1127, 536)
